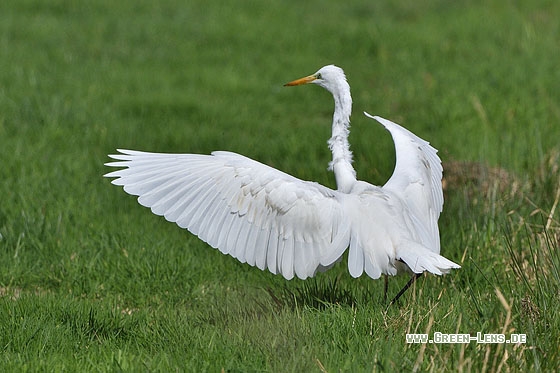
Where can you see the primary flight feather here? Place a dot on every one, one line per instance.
(272, 220)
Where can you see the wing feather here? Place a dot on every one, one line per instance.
(288, 257)
(260, 254)
(199, 218)
(250, 247)
(216, 227)
(240, 243)
(225, 230)
(244, 208)
(417, 180)
(355, 258)
(271, 256)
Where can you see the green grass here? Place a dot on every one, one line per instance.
(91, 281)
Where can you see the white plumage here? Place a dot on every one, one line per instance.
(269, 219)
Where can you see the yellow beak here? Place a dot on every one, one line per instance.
(306, 80)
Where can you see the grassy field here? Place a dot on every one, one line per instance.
(91, 281)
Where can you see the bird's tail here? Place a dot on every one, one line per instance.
(419, 259)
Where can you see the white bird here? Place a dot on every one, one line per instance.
(272, 220)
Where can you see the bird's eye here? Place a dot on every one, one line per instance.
(318, 76)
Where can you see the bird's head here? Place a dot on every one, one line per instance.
(330, 77)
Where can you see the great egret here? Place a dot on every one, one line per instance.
(269, 219)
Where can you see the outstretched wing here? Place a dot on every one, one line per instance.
(253, 212)
(417, 179)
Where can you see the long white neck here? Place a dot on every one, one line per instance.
(341, 163)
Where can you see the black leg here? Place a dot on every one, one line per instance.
(408, 284)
